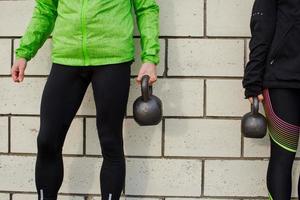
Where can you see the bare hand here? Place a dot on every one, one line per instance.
(260, 98)
(17, 70)
(147, 69)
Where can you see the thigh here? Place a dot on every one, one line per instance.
(111, 87)
(283, 113)
(62, 96)
(286, 104)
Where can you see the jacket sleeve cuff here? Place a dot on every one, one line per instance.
(253, 91)
(151, 59)
(20, 54)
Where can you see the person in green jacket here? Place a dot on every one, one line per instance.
(92, 42)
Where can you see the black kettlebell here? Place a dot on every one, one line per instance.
(147, 109)
(254, 124)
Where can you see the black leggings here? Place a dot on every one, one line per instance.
(282, 107)
(62, 96)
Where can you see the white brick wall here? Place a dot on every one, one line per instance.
(24, 131)
(202, 138)
(196, 153)
(4, 134)
(4, 196)
(31, 196)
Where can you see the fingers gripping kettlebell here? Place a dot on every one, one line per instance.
(254, 124)
(147, 109)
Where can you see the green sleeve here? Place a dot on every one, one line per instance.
(39, 28)
(147, 13)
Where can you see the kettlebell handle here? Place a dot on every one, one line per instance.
(146, 88)
(255, 106)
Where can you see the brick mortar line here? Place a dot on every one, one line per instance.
(163, 138)
(84, 136)
(200, 158)
(131, 117)
(140, 196)
(202, 178)
(12, 52)
(205, 18)
(159, 76)
(204, 98)
(242, 138)
(9, 134)
(165, 74)
(242, 145)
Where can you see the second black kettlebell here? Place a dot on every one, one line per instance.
(254, 124)
(147, 109)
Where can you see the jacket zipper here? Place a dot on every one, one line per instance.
(84, 32)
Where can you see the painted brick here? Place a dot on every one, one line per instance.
(257, 147)
(186, 17)
(206, 57)
(180, 97)
(21, 98)
(226, 98)
(3, 134)
(138, 141)
(99, 198)
(31, 196)
(295, 178)
(167, 177)
(4, 196)
(24, 132)
(246, 177)
(88, 104)
(193, 199)
(142, 141)
(202, 138)
(5, 56)
(15, 95)
(41, 63)
(85, 182)
(14, 17)
(228, 17)
(17, 173)
(127, 198)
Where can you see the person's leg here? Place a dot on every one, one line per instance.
(111, 87)
(283, 114)
(62, 96)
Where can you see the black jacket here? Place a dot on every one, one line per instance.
(274, 60)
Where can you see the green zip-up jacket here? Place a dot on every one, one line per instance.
(92, 32)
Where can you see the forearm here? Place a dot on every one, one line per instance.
(263, 24)
(147, 13)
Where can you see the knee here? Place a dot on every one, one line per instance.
(112, 148)
(46, 145)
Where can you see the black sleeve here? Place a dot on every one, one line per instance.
(263, 23)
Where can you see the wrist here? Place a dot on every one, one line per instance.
(149, 64)
(151, 59)
(21, 58)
